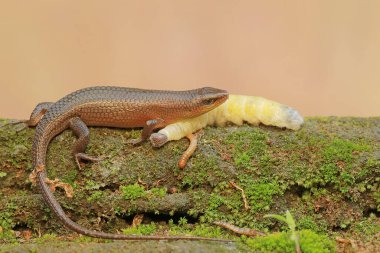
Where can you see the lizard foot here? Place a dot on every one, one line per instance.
(135, 142)
(83, 156)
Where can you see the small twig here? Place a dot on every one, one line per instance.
(241, 231)
(246, 206)
(158, 182)
(139, 181)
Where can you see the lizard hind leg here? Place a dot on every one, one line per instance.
(38, 113)
(83, 133)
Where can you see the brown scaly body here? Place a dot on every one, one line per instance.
(113, 107)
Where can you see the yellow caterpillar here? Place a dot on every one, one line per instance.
(237, 109)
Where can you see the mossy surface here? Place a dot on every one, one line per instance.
(327, 174)
(280, 243)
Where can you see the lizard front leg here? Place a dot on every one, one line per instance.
(148, 129)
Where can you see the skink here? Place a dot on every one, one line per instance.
(111, 107)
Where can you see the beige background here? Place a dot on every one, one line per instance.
(322, 57)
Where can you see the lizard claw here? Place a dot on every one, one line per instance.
(135, 142)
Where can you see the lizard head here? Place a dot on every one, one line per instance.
(207, 98)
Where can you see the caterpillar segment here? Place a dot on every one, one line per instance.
(237, 109)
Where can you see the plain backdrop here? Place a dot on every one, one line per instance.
(321, 57)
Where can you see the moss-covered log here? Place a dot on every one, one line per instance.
(327, 174)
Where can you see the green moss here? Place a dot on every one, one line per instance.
(281, 243)
(342, 150)
(376, 195)
(143, 229)
(202, 230)
(247, 145)
(182, 221)
(83, 238)
(47, 238)
(326, 173)
(70, 177)
(133, 192)
(215, 201)
(158, 192)
(308, 222)
(95, 196)
(2, 174)
(373, 165)
(260, 192)
(199, 173)
(7, 222)
(133, 134)
(91, 185)
(339, 161)
(367, 227)
(312, 242)
(273, 243)
(329, 160)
